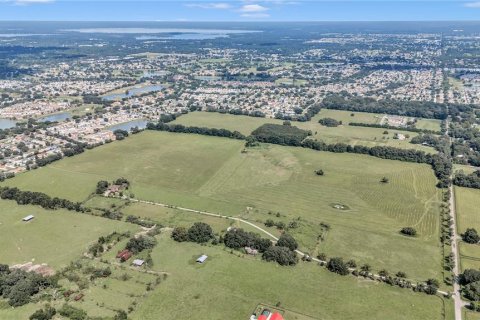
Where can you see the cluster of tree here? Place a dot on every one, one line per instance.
(167, 117)
(418, 109)
(41, 162)
(100, 273)
(467, 180)
(138, 244)
(386, 126)
(471, 236)
(238, 239)
(470, 281)
(141, 221)
(72, 313)
(239, 112)
(102, 186)
(18, 286)
(409, 231)
(91, 99)
(278, 224)
(199, 232)
(329, 122)
(6, 175)
(46, 313)
(160, 126)
(39, 198)
(280, 134)
(283, 252)
(438, 142)
(98, 247)
(309, 113)
(120, 134)
(282, 255)
(337, 265)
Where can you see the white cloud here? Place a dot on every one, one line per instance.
(472, 4)
(253, 8)
(213, 5)
(255, 15)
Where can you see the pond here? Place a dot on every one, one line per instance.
(130, 92)
(56, 117)
(141, 124)
(7, 123)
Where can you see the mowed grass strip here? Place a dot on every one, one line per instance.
(52, 237)
(229, 286)
(212, 174)
(467, 203)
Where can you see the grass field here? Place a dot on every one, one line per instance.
(345, 134)
(53, 237)
(210, 173)
(467, 204)
(232, 286)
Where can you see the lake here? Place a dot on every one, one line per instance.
(141, 124)
(132, 92)
(7, 123)
(208, 78)
(57, 117)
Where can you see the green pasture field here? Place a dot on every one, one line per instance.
(467, 203)
(52, 237)
(212, 174)
(428, 124)
(232, 285)
(344, 133)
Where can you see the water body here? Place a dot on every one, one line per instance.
(185, 36)
(159, 30)
(132, 92)
(141, 124)
(208, 78)
(151, 74)
(7, 123)
(57, 117)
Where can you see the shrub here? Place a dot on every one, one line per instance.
(200, 232)
(180, 234)
(409, 231)
(338, 266)
(471, 236)
(282, 255)
(288, 241)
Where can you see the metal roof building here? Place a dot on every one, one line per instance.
(202, 258)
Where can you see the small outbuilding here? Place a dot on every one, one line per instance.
(202, 258)
(28, 218)
(138, 262)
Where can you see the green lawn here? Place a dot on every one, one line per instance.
(212, 174)
(232, 286)
(428, 124)
(52, 237)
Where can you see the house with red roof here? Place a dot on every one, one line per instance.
(266, 315)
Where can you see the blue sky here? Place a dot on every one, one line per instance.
(242, 10)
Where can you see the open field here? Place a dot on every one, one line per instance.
(467, 204)
(344, 133)
(52, 237)
(428, 124)
(209, 173)
(234, 285)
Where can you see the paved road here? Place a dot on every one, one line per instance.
(459, 303)
(457, 297)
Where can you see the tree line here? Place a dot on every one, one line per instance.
(39, 198)
(179, 128)
(418, 109)
(386, 126)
